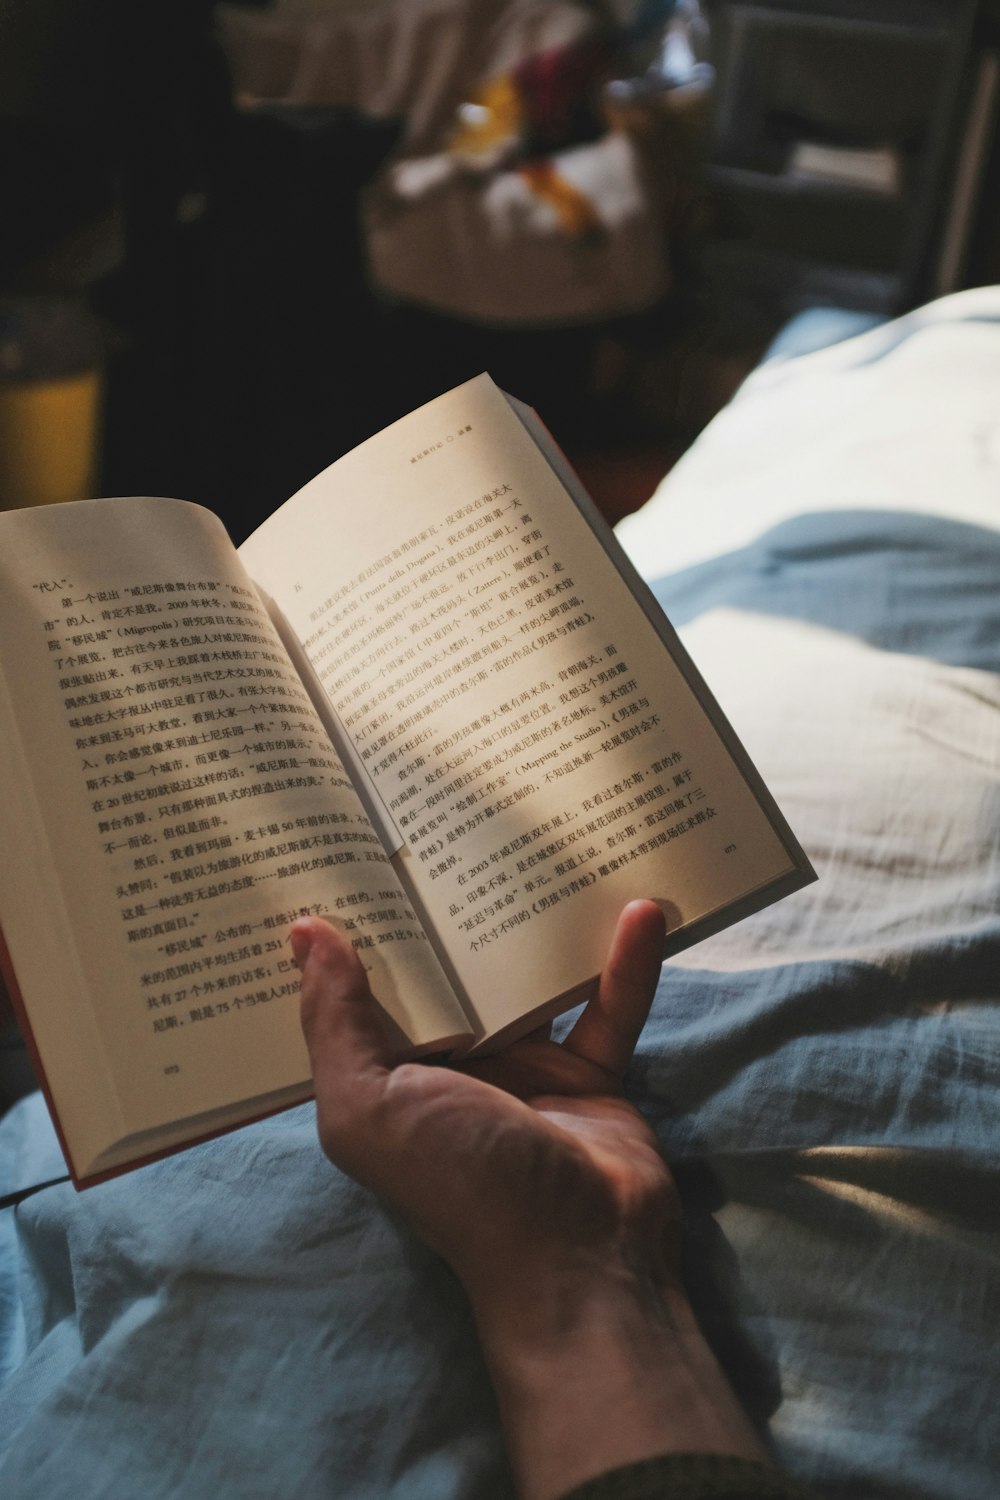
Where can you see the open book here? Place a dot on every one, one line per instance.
(428, 699)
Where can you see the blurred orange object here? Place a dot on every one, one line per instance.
(575, 212)
(49, 439)
(51, 385)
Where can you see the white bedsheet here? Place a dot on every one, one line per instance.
(905, 417)
(241, 1321)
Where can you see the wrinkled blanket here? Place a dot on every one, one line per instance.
(241, 1321)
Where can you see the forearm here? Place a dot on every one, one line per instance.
(547, 1194)
(595, 1373)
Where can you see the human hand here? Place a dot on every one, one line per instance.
(512, 1167)
(546, 1191)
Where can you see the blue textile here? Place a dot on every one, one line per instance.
(913, 583)
(818, 328)
(242, 1321)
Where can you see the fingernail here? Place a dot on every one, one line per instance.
(302, 941)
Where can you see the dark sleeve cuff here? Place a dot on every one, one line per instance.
(693, 1476)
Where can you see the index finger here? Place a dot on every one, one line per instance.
(609, 1027)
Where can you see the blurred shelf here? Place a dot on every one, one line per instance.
(789, 184)
(905, 90)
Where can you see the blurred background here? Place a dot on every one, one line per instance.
(238, 238)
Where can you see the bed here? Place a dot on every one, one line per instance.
(241, 1321)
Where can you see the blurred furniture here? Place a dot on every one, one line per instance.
(850, 142)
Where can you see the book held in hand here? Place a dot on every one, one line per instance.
(429, 699)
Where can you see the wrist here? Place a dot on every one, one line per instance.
(593, 1371)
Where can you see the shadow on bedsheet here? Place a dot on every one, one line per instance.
(726, 1307)
(896, 331)
(831, 1115)
(901, 581)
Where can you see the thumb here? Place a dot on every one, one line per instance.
(345, 1033)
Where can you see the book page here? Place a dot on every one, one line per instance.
(544, 757)
(174, 804)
